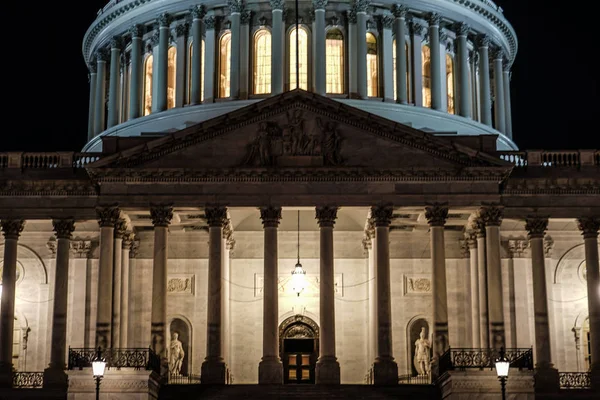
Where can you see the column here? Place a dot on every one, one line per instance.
(113, 85)
(161, 218)
(436, 215)
(181, 76)
(11, 228)
(99, 116)
(270, 368)
(107, 218)
(328, 368)
(361, 47)
(464, 91)
(235, 7)
(401, 71)
(499, 112)
(92, 102)
(492, 218)
(385, 369)
(245, 19)
(162, 62)
(125, 290)
(387, 23)
(227, 249)
(319, 61)
(418, 31)
(507, 103)
(479, 228)
(546, 376)
(214, 367)
(352, 84)
(471, 238)
(198, 13)
(54, 375)
(483, 44)
(135, 90)
(474, 66)
(436, 63)
(120, 229)
(589, 227)
(277, 46)
(209, 62)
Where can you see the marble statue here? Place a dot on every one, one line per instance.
(176, 355)
(422, 354)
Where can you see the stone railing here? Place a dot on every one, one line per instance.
(137, 358)
(27, 380)
(49, 160)
(463, 359)
(548, 158)
(414, 380)
(183, 379)
(575, 380)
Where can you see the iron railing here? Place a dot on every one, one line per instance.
(462, 359)
(183, 379)
(414, 380)
(137, 358)
(27, 380)
(575, 380)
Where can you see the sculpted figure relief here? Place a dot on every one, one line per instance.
(422, 354)
(331, 142)
(176, 355)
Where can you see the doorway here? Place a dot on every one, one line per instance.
(299, 349)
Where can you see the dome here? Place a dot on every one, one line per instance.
(159, 66)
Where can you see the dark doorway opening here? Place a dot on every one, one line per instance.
(299, 349)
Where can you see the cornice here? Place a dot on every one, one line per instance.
(48, 188)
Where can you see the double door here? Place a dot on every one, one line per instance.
(299, 360)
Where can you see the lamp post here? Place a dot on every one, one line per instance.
(502, 367)
(98, 366)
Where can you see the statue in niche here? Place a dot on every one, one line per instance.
(330, 143)
(422, 354)
(176, 355)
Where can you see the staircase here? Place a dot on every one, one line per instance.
(298, 391)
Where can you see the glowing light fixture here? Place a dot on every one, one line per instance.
(298, 274)
(98, 366)
(502, 367)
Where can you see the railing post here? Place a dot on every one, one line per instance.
(586, 157)
(15, 160)
(65, 159)
(534, 157)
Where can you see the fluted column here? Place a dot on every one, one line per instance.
(92, 101)
(270, 368)
(277, 46)
(492, 217)
(361, 47)
(135, 89)
(198, 13)
(352, 78)
(114, 80)
(227, 248)
(54, 375)
(464, 91)
(471, 238)
(546, 376)
(245, 43)
(499, 111)
(11, 228)
(589, 227)
(161, 218)
(385, 369)
(436, 62)
(120, 229)
(328, 368)
(387, 23)
(99, 117)
(107, 218)
(236, 7)
(400, 32)
(124, 314)
(209, 61)
(507, 102)
(214, 367)
(162, 61)
(484, 333)
(436, 215)
(483, 44)
(181, 64)
(319, 45)
(417, 34)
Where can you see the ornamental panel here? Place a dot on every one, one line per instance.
(181, 284)
(417, 284)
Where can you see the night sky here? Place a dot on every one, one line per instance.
(554, 85)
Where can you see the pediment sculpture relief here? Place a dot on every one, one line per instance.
(299, 138)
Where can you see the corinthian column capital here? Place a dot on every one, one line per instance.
(63, 228)
(270, 216)
(491, 215)
(436, 214)
(589, 226)
(107, 216)
(12, 228)
(161, 214)
(382, 215)
(536, 226)
(216, 216)
(326, 215)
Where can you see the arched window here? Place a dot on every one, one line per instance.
(224, 65)
(262, 62)
(148, 85)
(426, 64)
(334, 67)
(394, 69)
(171, 76)
(190, 78)
(450, 83)
(302, 58)
(372, 75)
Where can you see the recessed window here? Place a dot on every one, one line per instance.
(171, 76)
(148, 85)
(334, 68)
(262, 62)
(450, 83)
(225, 65)
(302, 58)
(372, 72)
(426, 65)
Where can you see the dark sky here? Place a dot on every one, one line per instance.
(554, 86)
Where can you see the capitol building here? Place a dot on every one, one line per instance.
(316, 199)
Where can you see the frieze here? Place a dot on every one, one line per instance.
(183, 284)
(417, 284)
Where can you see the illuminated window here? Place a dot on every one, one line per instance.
(302, 58)
(426, 65)
(334, 53)
(372, 81)
(171, 74)
(224, 65)
(450, 83)
(148, 85)
(190, 77)
(262, 62)
(394, 68)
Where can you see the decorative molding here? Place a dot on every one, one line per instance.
(136, 31)
(270, 216)
(116, 42)
(120, 228)
(128, 239)
(436, 214)
(417, 284)
(102, 55)
(516, 248)
(81, 248)
(483, 41)
(51, 245)
(181, 284)
(548, 246)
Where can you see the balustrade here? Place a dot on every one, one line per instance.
(574, 380)
(462, 359)
(28, 380)
(137, 358)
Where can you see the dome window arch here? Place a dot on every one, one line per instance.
(372, 66)
(171, 75)
(426, 67)
(225, 65)
(261, 64)
(302, 57)
(334, 67)
(148, 64)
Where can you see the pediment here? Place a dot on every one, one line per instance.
(298, 130)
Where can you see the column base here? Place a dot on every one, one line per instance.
(328, 371)
(270, 371)
(6, 378)
(546, 380)
(385, 371)
(213, 372)
(55, 378)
